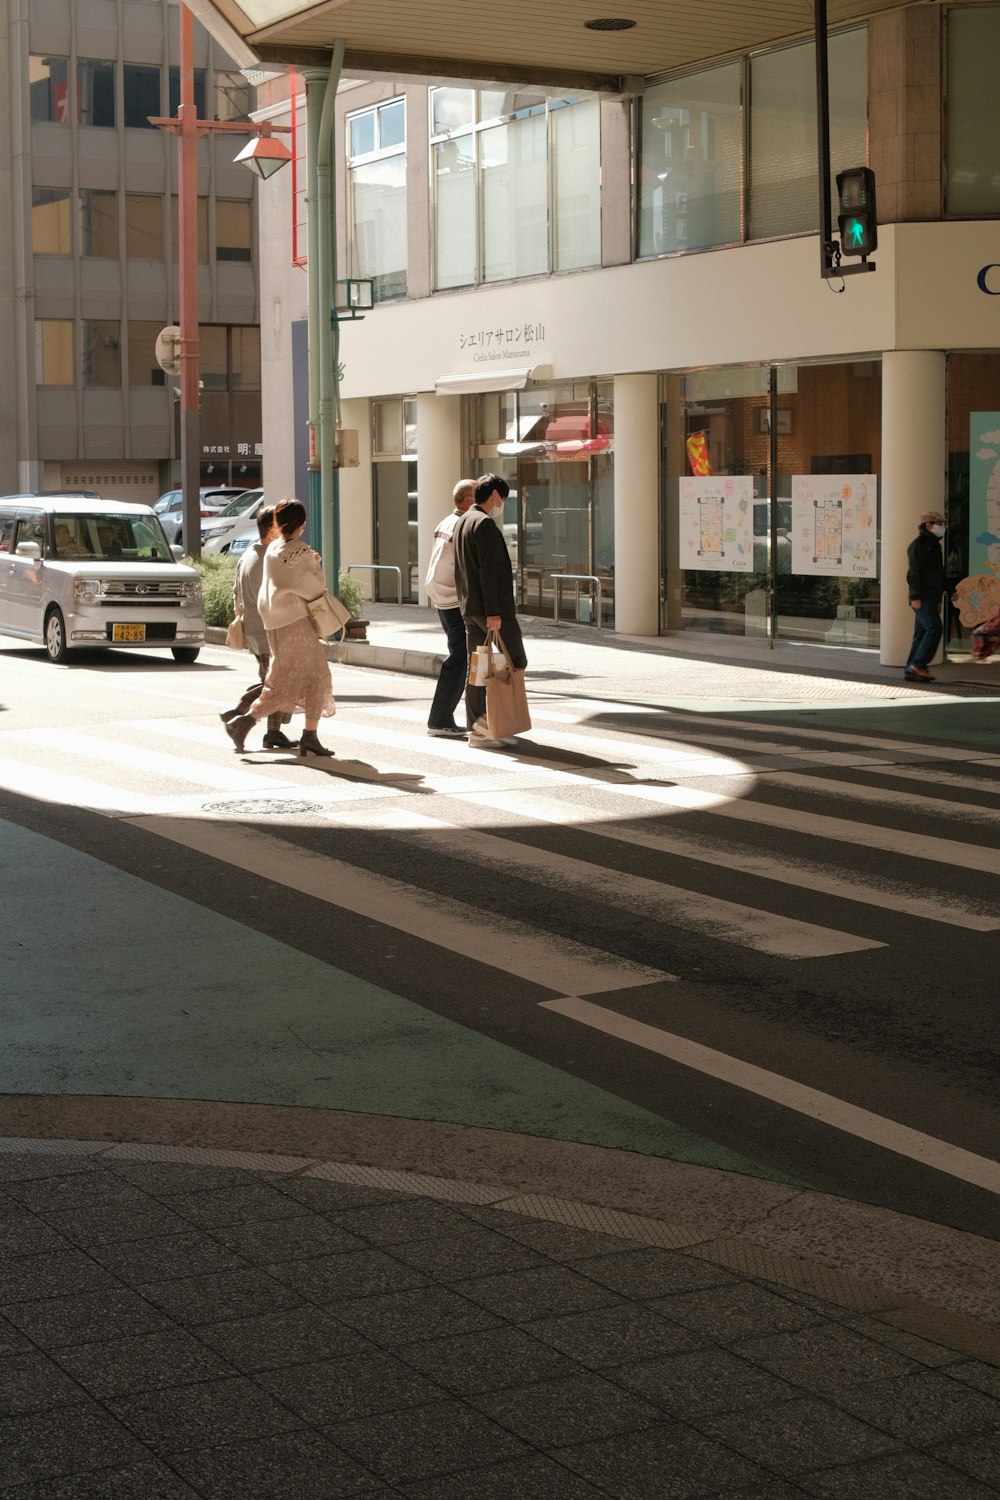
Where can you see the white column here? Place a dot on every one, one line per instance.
(439, 456)
(914, 478)
(637, 544)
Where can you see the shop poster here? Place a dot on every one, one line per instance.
(984, 492)
(834, 525)
(716, 523)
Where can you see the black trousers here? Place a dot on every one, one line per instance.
(454, 671)
(475, 636)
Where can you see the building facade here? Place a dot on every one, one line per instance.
(617, 303)
(89, 264)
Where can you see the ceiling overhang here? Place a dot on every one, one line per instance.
(518, 41)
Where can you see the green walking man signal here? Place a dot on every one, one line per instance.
(857, 218)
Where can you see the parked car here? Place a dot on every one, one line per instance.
(78, 572)
(170, 508)
(236, 520)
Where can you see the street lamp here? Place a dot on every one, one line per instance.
(262, 156)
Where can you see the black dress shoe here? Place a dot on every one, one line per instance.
(275, 739)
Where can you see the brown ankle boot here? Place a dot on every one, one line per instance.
(238, 729)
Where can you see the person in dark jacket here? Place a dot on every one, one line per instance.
(484, 583)
(925, 578)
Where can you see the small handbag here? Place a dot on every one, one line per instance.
(327, 615)
(235, 635)
(506, 700)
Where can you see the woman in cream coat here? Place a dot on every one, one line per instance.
(298, 678)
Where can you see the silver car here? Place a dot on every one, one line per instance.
(235, 522)
(76, 572)
(170, 508)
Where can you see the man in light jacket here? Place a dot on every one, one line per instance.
(440, 586)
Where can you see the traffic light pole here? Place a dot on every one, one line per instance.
(831, 265)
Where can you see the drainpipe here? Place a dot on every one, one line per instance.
(323, 335)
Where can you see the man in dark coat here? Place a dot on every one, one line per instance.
(925, 578)
(484, 583)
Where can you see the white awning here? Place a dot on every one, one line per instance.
(477, 381)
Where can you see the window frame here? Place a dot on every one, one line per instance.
(378, 153)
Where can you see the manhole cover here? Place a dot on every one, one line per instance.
(266, 808)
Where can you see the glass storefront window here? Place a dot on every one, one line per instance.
(972, 183)
(556, 453)
(972, 544)
(690, 167)
(51, 222)
(725, 507)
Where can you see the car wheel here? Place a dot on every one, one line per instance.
(185, 653)
(55, 639)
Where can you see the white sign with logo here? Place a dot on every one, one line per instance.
(716, 523)
(834, 525)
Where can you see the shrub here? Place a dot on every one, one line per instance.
(349, 593)
(218, 574)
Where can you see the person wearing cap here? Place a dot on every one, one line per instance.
(440, 586)
(925, 579)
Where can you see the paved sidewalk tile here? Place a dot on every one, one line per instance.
(911, 1475)
(422, 1441)
(297, 1466)
(140, 1481)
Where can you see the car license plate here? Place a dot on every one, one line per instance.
(128, 632)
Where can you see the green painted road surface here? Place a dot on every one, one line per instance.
(112, 986)
(974, 723)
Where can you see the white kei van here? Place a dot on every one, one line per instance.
(79, 571)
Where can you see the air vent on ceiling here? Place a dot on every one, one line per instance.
(610, 23)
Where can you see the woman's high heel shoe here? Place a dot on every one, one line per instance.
(238, 729)
(309, 744)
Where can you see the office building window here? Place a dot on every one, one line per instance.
(95, 92)
(516, 185)
(48, 87)
(972, 182)
(783, 196)
(54, 351)
(141, 95)
(232, 96)
(174, 90)
(697, 184)
(691, 162)
(233, 229)
(51, 221)
(101, 362)
(376, 169)
(143, 369)
(143, 226)
(202, 215)
(98, 220)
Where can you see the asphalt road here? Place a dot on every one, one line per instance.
(761, 942)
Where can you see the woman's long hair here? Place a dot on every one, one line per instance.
(289, 515)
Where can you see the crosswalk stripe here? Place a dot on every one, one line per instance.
(885, 796)
(729, 921)
(814, 1103)
(136, 758)
(802, 874)
(548, 960)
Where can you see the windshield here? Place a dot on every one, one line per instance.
(109, 538)
(242, 503)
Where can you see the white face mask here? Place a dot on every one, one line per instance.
(937, 529)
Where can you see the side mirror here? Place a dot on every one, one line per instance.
(177, 551)
(28, 549)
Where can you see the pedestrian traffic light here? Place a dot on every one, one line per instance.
(857, 218)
